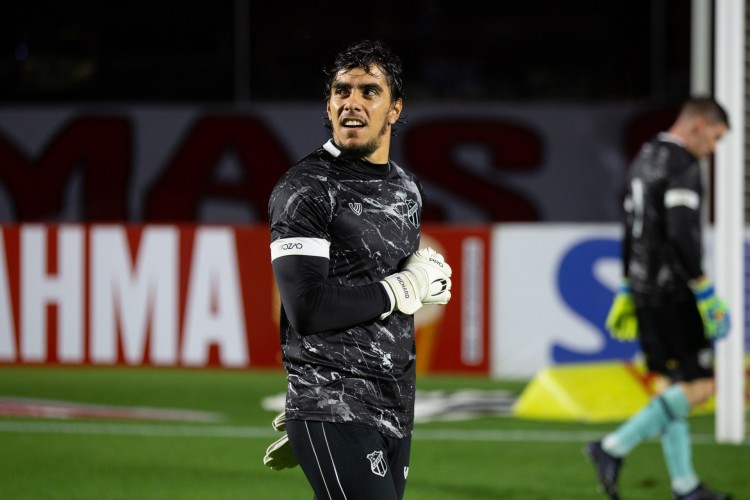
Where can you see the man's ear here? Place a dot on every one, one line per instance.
(328, 110)
(700, 122)
(395, 112)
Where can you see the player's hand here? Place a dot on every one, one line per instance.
(622, 322)
(433, 274)
(714, 311)
(279, 422)
(424, 279)
(279, 454)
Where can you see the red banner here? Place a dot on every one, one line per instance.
(194, 296)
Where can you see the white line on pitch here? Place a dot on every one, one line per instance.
(167, 430)
(117, 429)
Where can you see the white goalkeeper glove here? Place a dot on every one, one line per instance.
(279, 454)
(424, 279)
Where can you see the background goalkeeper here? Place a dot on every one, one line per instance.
(666, 298)
(345, 232)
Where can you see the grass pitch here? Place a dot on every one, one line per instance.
(483, 458)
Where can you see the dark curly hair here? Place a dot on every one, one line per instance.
(368, 54)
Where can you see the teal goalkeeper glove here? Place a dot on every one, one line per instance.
(622, 322)
(714, 311)
(279, 454)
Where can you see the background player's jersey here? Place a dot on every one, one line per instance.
(370, 214)
(663, 247)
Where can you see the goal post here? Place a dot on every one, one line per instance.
(731, 46)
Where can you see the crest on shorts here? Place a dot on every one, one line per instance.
(356, 208)
(377, 463)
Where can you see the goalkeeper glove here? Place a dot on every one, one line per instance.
(714, 311)
(279, 454)
(424, 279)
(622, 322)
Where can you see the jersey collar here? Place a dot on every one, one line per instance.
(369, 167)
(331, 148)
(667, 137)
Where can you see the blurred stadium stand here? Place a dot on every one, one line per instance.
(174, 51)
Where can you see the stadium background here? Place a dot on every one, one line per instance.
(139, 142)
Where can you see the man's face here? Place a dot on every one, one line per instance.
(361, 112)
(707, 137)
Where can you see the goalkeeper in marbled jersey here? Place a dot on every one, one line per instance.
(666, 300)
(345, 230)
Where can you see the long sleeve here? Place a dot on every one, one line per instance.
(314, 305)
(685, 236)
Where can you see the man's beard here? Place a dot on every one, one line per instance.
(359, 150)
(366, 149)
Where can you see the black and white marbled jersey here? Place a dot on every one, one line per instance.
(663, 242)
(364, 220)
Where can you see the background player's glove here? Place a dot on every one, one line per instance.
(424, 279)
(279, 454)
(622, 322)
(714, 311)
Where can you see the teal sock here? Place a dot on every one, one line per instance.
(647, 423)
(675, 443)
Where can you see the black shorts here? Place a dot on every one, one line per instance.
(345, 461)
(674, 341)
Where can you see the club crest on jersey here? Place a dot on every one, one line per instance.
(412, 212)
(377, 463)
(356, 208)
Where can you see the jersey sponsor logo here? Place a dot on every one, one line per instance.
(356, 208)
(291, 246)
(412, 212)
(314, 247)
(378, 465)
